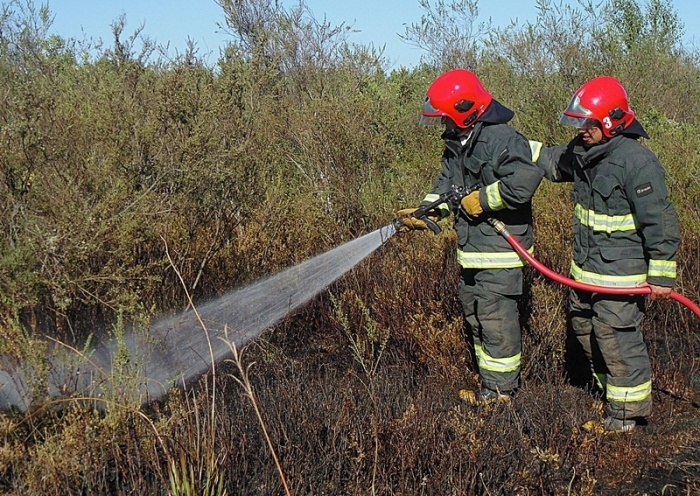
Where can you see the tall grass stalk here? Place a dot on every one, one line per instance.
(243, 379)
(367, 349)
(182, 476)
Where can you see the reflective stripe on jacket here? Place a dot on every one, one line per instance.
(498, 158)
(625, 227)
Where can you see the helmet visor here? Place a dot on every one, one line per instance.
(579, 122)
(430, 116)
(578, 116)
(430, 120)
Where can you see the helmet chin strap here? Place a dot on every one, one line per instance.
(459, 134)
(452, 134)
(466, 132)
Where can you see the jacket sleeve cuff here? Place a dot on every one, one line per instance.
(662, 272)
(492, 195)
(667, 282)
(442, 210)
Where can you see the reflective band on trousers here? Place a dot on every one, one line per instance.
(605, 223)
(501, 365)
(491, 260)
(628, 394)
(662, 268)
(493, 196)
(605, 280)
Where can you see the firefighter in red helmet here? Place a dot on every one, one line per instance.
(626, 233)
(481, 148)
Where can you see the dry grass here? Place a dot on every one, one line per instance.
(264, 162)
(346, 419)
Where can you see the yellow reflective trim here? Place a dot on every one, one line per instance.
(502, 365)
(493, 196)
(605, 280)
(662, 268)
(494, 260)
(629, 394)
(601, 379)
(535, 149)
(443, 208)
(605, 223)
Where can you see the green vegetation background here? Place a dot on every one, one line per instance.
(113, 159)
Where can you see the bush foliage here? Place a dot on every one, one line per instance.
(130, 182)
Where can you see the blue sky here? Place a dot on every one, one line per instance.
(378, 21)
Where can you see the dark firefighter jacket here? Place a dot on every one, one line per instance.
(625, 227)
(499, 159)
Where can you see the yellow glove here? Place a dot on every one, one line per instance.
(408, 222)
(471, 204)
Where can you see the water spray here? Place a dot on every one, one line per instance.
(177, 350)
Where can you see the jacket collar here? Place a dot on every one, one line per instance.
(590, 155)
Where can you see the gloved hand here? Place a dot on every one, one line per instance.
(409, 223)
(471, 204)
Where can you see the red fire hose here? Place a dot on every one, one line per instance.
(501, 229)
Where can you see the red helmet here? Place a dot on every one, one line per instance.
(601, 102)
(457, 94)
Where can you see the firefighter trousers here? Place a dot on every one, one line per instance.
(489, 301)
(608, 327)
